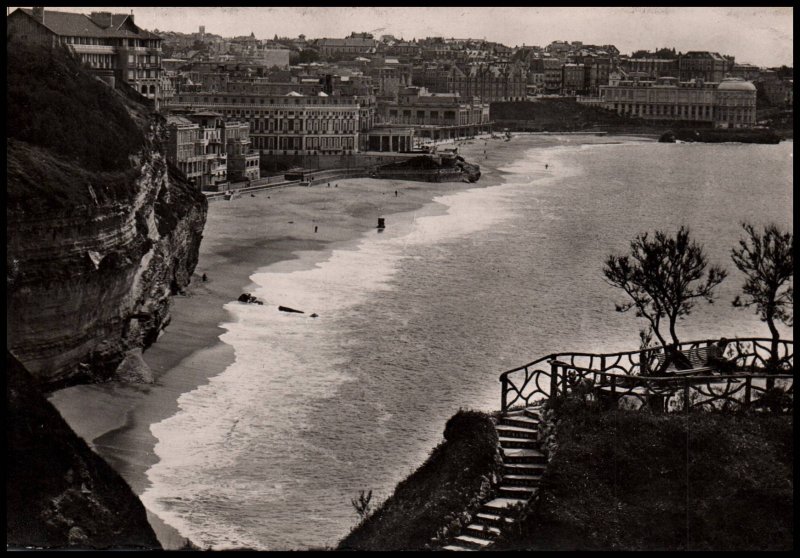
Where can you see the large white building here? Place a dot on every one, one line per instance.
(728, 104)
(292, 124)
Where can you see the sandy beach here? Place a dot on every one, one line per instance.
(241, 236)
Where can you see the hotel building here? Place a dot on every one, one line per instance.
(111, 45)
(729, 104)
(292, 124)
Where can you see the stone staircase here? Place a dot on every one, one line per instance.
(523, 466)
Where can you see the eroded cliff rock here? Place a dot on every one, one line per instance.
(59, 492)
(97, 240)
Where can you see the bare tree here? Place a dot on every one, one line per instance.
(362, 505)
(767, 260)
(664, 276)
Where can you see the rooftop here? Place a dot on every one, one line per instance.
(100, 24)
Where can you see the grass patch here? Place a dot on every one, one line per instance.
(637, 481)
(54, 103)
(436, 493)
(39, 182)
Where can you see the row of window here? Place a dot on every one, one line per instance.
(143, 59)
(681, 111)
(105, 61)
(147, 74)
(280, 101)
(297, 125)
(311, 143)
(103, 41)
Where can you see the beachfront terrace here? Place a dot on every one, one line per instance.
(637, 379)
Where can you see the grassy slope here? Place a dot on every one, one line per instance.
(440, 489)
(53, 104)
(66, 131)
(633, 481)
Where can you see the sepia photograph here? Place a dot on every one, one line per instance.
(442, 278)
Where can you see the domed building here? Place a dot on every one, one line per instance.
(731, 103)
(735, 104)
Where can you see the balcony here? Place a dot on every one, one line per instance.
(93, 49)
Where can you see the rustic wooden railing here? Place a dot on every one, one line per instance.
(547, 377)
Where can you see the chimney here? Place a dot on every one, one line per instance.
(38, 13)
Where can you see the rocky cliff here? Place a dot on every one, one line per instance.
(100, 229)
(59, 492)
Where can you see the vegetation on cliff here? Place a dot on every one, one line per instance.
(59, 493)
(554, 115)
(54, 104)
(616, 480)
(437, 494)
(623, 480)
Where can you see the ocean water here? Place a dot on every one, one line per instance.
(419, 321)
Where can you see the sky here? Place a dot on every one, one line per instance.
(757, 35)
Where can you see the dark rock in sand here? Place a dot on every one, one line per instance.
(249, 299)
(287, 309)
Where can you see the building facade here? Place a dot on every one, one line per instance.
(704, 65)
(652, 67)
(573, 79)
(436, 116)
(197, 152)
(730, 104)
(210, 150)
(293, 123)
(553, 75)
(111, 45)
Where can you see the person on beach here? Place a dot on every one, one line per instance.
(545, 166)
(205, 277)
(315, 228)
(395, 193)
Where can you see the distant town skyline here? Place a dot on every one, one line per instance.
(758, 35)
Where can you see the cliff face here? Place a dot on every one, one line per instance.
(58, 492)
(97, 240)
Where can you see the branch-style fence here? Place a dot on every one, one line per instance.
(628, 379)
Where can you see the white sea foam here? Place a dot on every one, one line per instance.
(282, 362)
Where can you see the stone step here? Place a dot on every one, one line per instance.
(500, 505)
(520, 420)
(518, 443)
(532, 413)
(457, 548)
(493, 519)
(521, 492)
(524, 469)
(506, 431)
(482, 531)
(473, 542)
(523, 455)
(522, 480)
